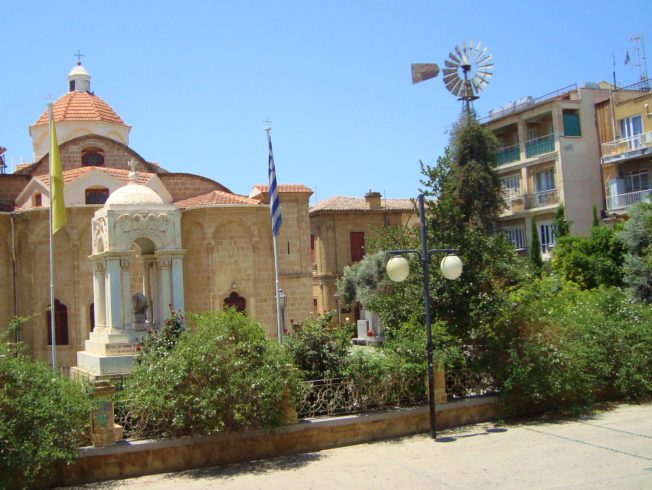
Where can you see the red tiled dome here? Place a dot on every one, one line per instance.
(81, 106)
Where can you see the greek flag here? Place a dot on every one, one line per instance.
(274, 205)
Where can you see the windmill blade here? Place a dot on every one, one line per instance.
(450, 71)
(476, 86)
(481, 54)
(450, 64)
(459, 53)
(454, 58)
(456, 87)
(424, 71)
(451, 79)
(485, 59)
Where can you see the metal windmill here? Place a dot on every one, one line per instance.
(468, 70)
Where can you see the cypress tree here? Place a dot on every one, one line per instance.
(535, 247)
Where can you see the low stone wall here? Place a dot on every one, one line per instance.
(136, 458)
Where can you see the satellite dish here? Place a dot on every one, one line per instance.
(468, 70)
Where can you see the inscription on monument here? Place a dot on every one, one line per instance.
(122, 348)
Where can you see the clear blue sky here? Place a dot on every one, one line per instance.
(196, 79)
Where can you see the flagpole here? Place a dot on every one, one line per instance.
(275, 215)
(52, 308)
(279, 320)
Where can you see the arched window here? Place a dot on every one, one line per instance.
(60, 323)
(234, 300)
(92, 157)
(97, 195)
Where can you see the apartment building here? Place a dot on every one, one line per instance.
(626, 137)
(549, 154)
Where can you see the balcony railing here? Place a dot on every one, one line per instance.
(624, 145)
(538, 146)
(624, 201)
(508, 154)
(632, 91)
(543, 198)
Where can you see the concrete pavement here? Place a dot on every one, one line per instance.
(611, 449)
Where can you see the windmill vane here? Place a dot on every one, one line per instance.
(466, 72)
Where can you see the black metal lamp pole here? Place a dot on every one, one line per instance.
(424, 257)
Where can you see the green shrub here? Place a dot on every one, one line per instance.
(226, 376)
(319, 348)
(568, 343)
(43, 418)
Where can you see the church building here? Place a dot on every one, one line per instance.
(172, 240)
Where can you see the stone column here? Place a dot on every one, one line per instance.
(99, 295)
(127, 319)
(113, 291)
(177, 284)
(165, 297)
(103, 431)
(147, 287)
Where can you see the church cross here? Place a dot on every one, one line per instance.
(268, 125)
(79, 56)
(133, 176)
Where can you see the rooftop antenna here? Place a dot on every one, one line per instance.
(642, 61)
(468, 70)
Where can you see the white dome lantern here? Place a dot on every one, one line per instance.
(133, 195)
(79, 80)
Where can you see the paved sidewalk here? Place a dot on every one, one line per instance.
(612, 449)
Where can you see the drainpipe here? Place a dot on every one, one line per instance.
(14, 271)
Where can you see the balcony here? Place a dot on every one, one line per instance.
(508, 154)
(624, 201)
(543, 198)
(626, 148)
(514, 203)
(538, 146)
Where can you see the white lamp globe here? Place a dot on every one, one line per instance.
(451, 267)
(398, 268)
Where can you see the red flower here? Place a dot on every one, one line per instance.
(370, 333)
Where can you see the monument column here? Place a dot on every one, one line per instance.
(147, 287)
(99, 295)
(126, 294)
(164, 264)
(113, 293)
(177, 282)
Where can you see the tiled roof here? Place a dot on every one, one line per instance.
(284, 188)
(215, 198)
(81, 106)
(344, 204)
(118, 173)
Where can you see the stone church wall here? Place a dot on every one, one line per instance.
(6, 272)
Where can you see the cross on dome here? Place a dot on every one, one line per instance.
(133, 175)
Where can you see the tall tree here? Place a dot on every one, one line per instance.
(562, 226)
(637, 238)
(535, 247)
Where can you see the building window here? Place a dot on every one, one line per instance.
(315, 308)
(37, 200)
(636, 181)
(97, 195)
(544, 180)
(630, 126)
(234, 300)
(511, 186)
(357, 246)
(60, 324)
(313, 261)
(92, 157)
(515, 236)
(571, 122)
(546, 236)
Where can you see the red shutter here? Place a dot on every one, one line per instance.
(357, 245)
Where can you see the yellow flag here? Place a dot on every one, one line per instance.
(57, 204)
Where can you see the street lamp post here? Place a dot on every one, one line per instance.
(283, 300)
(337, 305)
(398, 270)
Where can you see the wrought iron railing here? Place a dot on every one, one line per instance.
(623, 145)
(467, 383)
(538, 146)
(624, 201)
(508, 154)
(632, 91)
(543, 198)
(340, 396)
(528, 102)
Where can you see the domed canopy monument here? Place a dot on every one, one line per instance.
(137, 274)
